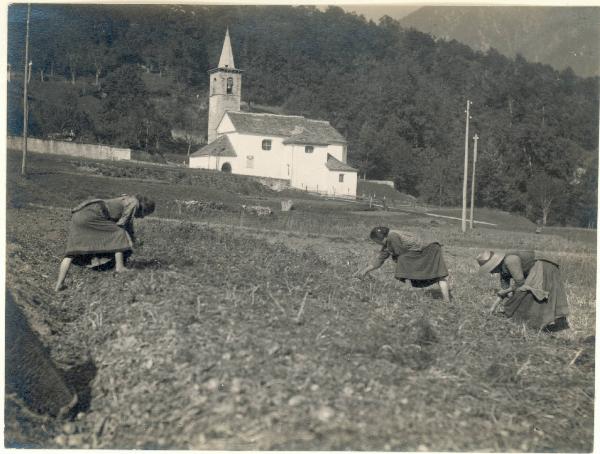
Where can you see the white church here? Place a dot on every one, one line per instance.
(308, 154)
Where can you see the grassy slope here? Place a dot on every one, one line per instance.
(381, 190)
(259, 339)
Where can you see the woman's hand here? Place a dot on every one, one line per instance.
(504, 293)
(360, 274)
(495, 305)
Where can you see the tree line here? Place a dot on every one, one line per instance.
(127, 75)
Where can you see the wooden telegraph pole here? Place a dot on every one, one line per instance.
(475, 139)
(466, 173)
(25, 83)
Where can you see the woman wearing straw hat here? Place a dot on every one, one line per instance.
(422, 265)
(532, 288)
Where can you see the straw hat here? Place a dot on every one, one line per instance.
(488, 260)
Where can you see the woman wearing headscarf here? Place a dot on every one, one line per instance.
(102, 229)
(531, 288)
(422, 265)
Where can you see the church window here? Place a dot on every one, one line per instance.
(309, 149)
(341, 178)
(214, 86)
(249, 162)
(229, 85)
(266, 144)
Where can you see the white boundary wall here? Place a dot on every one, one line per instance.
(83, 150)
(384, 182)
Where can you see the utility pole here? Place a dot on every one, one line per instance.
(475, 139)
(25, 83)
(466, 172)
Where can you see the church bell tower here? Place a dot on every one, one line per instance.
(225, 89)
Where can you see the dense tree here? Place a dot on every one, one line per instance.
(58, 114)
(397, 95)
(128, 117)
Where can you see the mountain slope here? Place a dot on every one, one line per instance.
(558, 36)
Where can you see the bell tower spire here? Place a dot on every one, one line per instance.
(225, 89)
(226, 60)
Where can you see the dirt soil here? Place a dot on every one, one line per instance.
(247, 333)
(224, 339)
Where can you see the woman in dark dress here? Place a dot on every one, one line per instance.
(101, 230)
(532, 288)
(422, 265)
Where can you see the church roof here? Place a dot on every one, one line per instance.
(306, 137)
(226, 60)
(296, 129)
(219, 147)
(337, 165)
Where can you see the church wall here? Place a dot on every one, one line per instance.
(253, 160)
(344, 188)
(308, 169)
(310, 172)
(225, 126)
(210, 162)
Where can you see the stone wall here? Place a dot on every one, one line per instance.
(384, 182)
(275, 184)
(83, 150)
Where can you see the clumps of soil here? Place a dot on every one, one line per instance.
(410, 345)
(257, 210)
(218, 339)
(196, 206)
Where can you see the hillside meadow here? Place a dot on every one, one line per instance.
(238, 332)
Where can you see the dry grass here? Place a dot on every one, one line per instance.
(257, 337)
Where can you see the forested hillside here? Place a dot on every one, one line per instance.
(128, 75)
(559, 36)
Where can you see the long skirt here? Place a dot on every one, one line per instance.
(92, 234)
(422, 268)
(544, 303)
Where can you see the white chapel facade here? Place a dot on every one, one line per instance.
(309, 154)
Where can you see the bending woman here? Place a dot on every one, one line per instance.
(421, 265)
(536, 294)
(102, 229)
